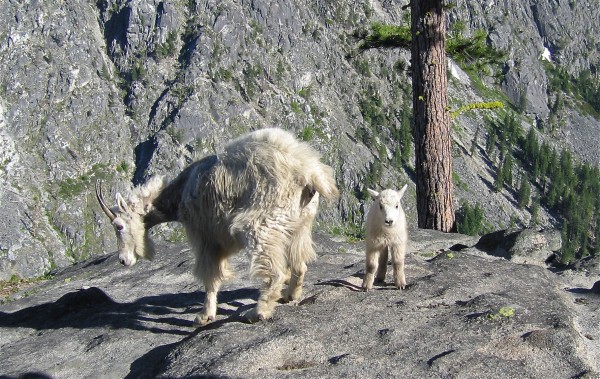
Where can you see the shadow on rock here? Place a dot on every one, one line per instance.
(340, 283)
(92, 308)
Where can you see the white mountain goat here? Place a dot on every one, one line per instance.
(386, 235)
(260, 194)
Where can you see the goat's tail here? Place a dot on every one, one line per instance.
(322, 180)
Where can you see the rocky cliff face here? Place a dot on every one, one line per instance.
(120, 90)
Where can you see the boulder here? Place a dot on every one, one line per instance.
(464, 314)
(527, 246)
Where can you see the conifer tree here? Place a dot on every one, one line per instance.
(499, 182)
(524, 191)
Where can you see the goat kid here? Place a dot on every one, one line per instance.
(386, 236)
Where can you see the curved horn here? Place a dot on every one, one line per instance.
(100, 198)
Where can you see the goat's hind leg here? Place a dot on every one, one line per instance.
(301, 251)
(269, 263)
(213, 271)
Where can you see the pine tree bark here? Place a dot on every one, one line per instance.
(433, 162)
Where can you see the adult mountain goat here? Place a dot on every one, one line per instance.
(386, 235)
(260, 194)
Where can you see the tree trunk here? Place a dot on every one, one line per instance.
(433, 162)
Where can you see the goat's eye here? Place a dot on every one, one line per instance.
(380, 206)
(119, 227)
(397, 206)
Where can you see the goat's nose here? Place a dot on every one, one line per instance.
(122, 260)
(389, 222)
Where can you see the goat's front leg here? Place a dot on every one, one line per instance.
(371, 265)
(209, 310)
(398, 253)
(382, 266)
(294, 289)
(269, 294)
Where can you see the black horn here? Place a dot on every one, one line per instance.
(100, 198)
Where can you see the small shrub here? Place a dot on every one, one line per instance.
(296, 107)
(308, 134)
(167, 48)
(470, 219)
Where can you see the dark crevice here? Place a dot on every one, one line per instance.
(143, 155)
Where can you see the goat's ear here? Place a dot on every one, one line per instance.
(122, 203)
(401, 192)
(373, 193)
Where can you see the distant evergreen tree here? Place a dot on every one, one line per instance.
(535, 210)
(543, 159)
(470, 219)
(499, 182)
(507, 167)
(531, 145)
(524, 192)
(474, 141)
(567, 250)
(490, 145)
(405, 137)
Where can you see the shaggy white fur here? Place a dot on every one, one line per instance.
(386, 235)
(261, 193)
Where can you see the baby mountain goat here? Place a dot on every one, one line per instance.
(260, 194)
(386, 234)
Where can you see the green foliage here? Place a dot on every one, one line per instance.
(470, 220)
(504, 312)
(72, 187)
(585, 87)
(176, 134)
(524, 192)
(123, 167)
(362, 67)
(280, 70)
(305, 92)
(251, 74)
(138, 71)
(309, 133)
(371, 108)
(458, 182)
(296, 107)
(474, 50)
(15, 284)
(569, 190)
(403, 138)
(372, 177)
(384, 35)
(169, 47)
(351, 231)
(224, 74)
(500, 179)
(479, 105)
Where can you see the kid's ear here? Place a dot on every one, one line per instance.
(401, 192)
(373, 193)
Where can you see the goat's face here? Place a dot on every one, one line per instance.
(129, 228)
(388, 204)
